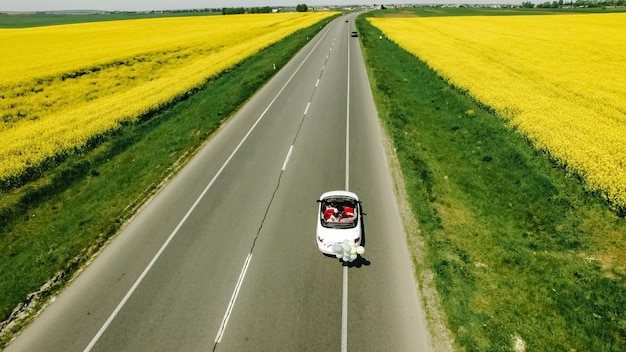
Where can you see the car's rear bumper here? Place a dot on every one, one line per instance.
(327, 247)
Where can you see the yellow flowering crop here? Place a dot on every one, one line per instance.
(559, 79)
(62, 85)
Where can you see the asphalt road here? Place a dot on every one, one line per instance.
(224, 257)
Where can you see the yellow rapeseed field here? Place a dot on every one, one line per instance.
(62, 85)
(559, 79)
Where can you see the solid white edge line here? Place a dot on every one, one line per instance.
(193, 206)
(344, 298)
(348, 125)
(233, 298)
(287, 158)
(344, 311)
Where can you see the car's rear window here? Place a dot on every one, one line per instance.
(339, 212)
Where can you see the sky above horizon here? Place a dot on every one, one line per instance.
(157, 5)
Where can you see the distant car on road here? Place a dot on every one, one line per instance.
(354, 34)
(339, 218)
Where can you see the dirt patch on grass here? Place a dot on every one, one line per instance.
(608, 245)
(612, 261)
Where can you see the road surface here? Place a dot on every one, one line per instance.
(224, 257)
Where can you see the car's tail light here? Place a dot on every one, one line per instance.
(320, 239)
(357, 240)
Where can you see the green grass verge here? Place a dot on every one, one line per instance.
(53, 225)
(519, 251)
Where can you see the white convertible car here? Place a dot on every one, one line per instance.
(339, 218)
